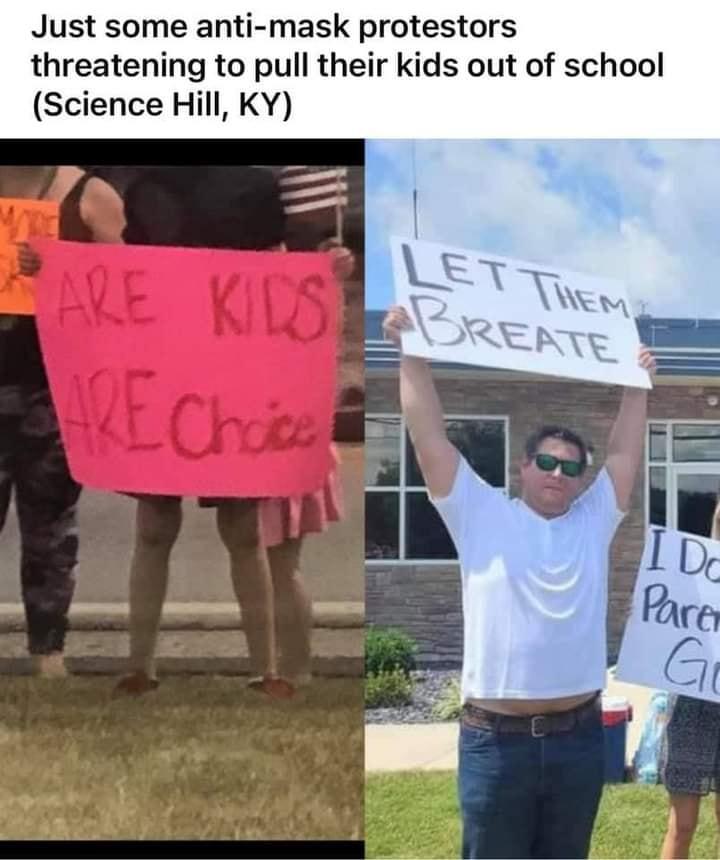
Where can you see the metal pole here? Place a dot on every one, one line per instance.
(415, 189)
(338, 205)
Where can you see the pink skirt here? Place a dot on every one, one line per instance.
(296, 516)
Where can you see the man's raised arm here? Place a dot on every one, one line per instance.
(627, 436)
(437, 457)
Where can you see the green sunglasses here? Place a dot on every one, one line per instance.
(569, 468)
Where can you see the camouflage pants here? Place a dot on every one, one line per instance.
(33, 464)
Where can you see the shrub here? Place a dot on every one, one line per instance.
(387, 650)
(449, 705)
(388, 689)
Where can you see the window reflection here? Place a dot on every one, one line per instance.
(658, 442)
(382, 518)
(658, 497)
(425, 533)
(696, 442)
(697, 495)
(382, 452)
(482, 443)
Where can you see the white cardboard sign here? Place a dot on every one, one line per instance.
(480, 309)
(672, 639)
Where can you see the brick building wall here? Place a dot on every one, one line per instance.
(425, 600)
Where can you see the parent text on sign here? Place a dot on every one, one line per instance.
(671, 638)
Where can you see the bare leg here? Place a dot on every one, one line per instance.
(157, 526)
(237, 522)
(293, 610)
(682, 821)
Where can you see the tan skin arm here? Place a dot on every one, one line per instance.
(102, 212)
(627, 437)
(437, 456)
(101, 209)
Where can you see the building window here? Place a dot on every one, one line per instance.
(683, 474)
(400, 522)
(696, 443)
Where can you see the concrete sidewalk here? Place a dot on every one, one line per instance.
(194, 637)
(182, 616)
(433, 746)
(200, 629)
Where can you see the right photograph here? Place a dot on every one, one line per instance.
(542, 498)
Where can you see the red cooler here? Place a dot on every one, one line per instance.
(616, 713)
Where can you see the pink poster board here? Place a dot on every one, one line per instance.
(190, 371)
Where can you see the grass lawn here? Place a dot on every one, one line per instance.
(416, 815)
(199, 758)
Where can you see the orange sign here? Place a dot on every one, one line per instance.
(21, 220)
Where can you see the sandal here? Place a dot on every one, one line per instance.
(276, 688)
(136, 684)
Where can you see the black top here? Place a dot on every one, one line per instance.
(20, 357)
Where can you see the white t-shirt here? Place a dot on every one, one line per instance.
(534, 590)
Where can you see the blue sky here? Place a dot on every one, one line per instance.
(645, 212)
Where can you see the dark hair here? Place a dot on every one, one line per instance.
(234, 207)
(554, 431)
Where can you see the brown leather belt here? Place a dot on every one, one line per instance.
(537, 726)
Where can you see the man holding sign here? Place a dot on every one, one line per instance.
(41, 201)
(480, 309)
(534, 577)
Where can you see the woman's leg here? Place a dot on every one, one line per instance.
(293, 610)
(157, 526)
(237, 521)
(682, 821)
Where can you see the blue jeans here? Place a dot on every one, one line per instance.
(522, 796)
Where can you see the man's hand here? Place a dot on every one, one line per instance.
(397, 320)
(29, 261)
(647, 361)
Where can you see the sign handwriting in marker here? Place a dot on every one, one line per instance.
(190, 371)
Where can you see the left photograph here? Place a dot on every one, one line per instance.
(181, 420)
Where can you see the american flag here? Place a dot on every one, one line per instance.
(308, 189)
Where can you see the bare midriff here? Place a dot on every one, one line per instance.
(531, 707)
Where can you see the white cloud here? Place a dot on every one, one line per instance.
(645, 212)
